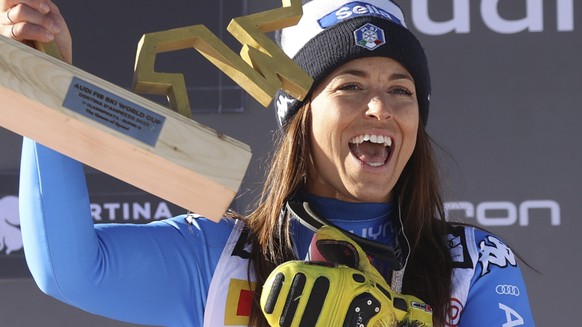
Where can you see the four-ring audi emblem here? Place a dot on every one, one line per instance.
(507, 290)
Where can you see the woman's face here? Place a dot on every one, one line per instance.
(365, 118)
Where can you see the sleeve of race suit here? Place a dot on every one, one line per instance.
(497, 294)
(156, 273)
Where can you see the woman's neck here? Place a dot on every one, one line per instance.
(369, 220)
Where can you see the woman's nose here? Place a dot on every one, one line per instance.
(378, 108)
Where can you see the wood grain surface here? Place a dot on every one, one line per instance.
(190, 165)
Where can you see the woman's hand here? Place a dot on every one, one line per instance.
(35, 20)
(343, 289)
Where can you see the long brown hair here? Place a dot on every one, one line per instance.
(428, 275)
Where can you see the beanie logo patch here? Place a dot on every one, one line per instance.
(369, 36)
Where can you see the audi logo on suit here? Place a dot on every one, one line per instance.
(507, 290)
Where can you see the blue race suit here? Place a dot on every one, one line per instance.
(160, 273)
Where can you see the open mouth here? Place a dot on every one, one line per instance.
(372, 150)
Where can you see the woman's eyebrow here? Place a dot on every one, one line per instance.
(362, 73)
(355, 72)
(397, 76)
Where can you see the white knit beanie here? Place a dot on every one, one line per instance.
(333, 32)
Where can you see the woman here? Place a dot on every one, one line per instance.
(355, 155)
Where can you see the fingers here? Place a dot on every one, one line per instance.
(30, 21)
(62, 38)
(26, 23)
(24, 14)
(41, 5)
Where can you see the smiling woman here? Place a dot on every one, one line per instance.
(356, 110)
(352, 183)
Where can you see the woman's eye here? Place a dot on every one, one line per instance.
(401, 90)
(349, 87)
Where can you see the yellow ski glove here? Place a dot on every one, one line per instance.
(344, 291)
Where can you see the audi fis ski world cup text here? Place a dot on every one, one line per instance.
(492, 16)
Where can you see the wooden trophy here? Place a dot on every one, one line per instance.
(158, 150)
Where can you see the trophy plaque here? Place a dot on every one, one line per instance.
(147, 145)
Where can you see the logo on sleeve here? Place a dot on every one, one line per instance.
(457, 242)
(239, 302)
(513, 318)
(494, 252)
(454, 313)
(507, 290)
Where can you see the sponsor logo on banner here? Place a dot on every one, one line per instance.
(102, 212)
(112, 201)
(492, 16)
(506, 213)
(491, 13)
(130, 211)
(10, 239)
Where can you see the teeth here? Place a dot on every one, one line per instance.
(378, 139)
